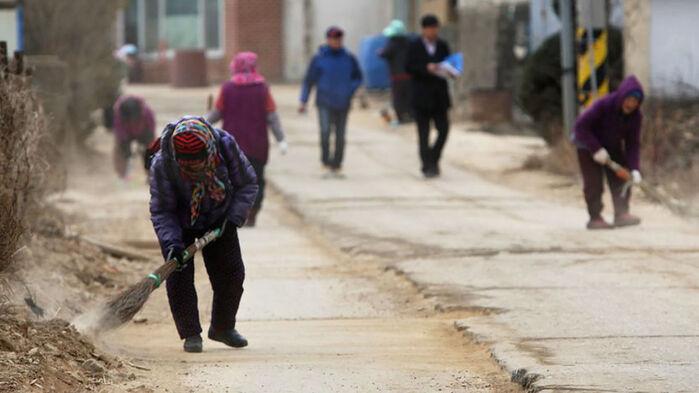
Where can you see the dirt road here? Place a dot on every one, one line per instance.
(345, 275)
(318, 320)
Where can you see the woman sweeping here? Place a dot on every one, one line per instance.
(200, 180)
(247, 108)
(133, 121)
(610, 130)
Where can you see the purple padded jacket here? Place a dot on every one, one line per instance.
(171, 195)
(605, 125)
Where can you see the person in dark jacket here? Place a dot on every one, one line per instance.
(610, 130)
(396, 53)
(200, 180)
(133, 121)
(335, 73)
(430, 92)
(247, 108)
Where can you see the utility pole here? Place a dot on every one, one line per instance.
(568, 65)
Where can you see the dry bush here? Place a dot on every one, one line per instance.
(670, 145)
(22, 166)
(561, 159)
(81, 34)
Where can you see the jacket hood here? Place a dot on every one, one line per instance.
(626, 87)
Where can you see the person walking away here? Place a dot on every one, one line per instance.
(396, 52)
(247, 108)
(430, 92)
(134, 121)
(335, 73)
(610, 130)
(201, 180)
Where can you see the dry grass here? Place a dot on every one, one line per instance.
(561, 159)
(22, 166)
(670, 155)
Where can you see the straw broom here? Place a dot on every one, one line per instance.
(652, 193)
(125, 305)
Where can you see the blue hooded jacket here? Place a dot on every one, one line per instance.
(171, 196)
(336, 75)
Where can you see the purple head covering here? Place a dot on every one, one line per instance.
(244, 69)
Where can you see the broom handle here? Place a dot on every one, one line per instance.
(621, 172)
(168, 267)
(200, 243)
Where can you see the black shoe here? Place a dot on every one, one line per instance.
(229, 337)
(193, 344)
(430, 173)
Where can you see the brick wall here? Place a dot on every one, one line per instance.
(249, 25)
(256, 25)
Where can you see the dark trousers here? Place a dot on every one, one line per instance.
(123, 151)
(259, 168)
(332, 121)
(593, 184)
(400, 95)
(224, 265)
(430, 155)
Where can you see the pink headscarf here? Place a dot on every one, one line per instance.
(244, 69)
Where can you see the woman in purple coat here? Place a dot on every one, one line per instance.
(133, 121)
(200, 180)
(610, 130)
(247, 108)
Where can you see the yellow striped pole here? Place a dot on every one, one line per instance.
(593, 81)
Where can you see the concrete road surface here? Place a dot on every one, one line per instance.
(317, 319)
(508, 263)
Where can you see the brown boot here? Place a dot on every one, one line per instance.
(626, 220)
(252, 217)
(598, 224)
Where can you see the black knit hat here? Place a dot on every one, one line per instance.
(334, 32)
(429, 20)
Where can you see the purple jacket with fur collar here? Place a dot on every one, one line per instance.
(171, 195)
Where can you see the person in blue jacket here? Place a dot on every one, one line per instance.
(335, 73)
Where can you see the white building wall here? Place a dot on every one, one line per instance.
(8, 29)
(294, 30)
(544, 21)
(674, 47)
(358, 18)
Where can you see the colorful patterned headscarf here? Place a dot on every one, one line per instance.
(197, 157)
(244, 69)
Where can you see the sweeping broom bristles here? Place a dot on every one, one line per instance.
(121, 308)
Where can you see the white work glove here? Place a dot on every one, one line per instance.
(601, 156)
(636, 177)
(283, 147)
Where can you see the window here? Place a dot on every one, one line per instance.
(182, 30)
(131, 23)
(211, 24)
(174, 24)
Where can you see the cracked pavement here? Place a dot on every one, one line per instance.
(563, 309)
